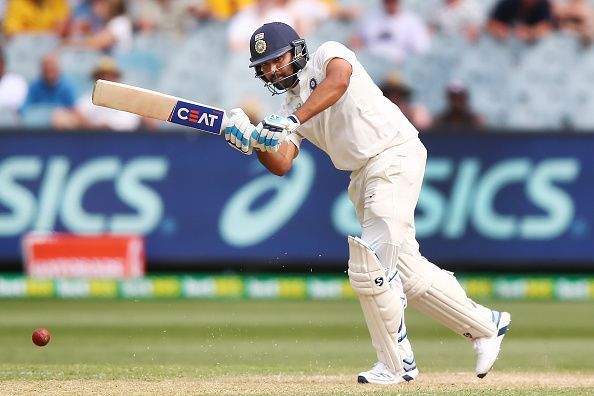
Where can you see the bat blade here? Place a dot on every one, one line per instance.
(160, 106)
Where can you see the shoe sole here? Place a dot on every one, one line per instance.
(505, 320)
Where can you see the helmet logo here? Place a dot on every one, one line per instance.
(260, 46)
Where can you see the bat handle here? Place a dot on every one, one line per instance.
(225, 122)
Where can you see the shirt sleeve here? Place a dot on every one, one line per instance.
(330, 50)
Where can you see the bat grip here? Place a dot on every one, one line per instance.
(224, 123)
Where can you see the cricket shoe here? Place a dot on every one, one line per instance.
(487, 348)
(381, 374)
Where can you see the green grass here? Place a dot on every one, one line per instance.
(187, 338)
(180, 339)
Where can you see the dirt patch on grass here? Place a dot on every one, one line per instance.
(429, 383)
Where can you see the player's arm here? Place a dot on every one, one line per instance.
(279, 162)
(330, 90)
(338, 78)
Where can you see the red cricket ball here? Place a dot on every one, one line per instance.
(41, 336)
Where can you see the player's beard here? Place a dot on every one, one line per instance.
(285, 83)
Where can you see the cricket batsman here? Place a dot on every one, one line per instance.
(332, 102)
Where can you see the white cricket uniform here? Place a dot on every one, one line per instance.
(365, 133)
(362, 124)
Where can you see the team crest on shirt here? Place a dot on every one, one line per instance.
(260, 46)
(313, 84)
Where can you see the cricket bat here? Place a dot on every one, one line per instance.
(160, 106)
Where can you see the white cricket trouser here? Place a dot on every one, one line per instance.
(385, 193)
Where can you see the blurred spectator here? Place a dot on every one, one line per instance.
(576, 17)
(51, 88)
(116, 34)
(458, 115)
(392, 32)
(309, 14)
(13, 88)
(86, 115)
(243, 24)
(310, 9)
(225, 9)
(36, 16)
(173, 17)
(82, 20)
(399, 93)
(527, 20)
(343, 12)
(459, 18)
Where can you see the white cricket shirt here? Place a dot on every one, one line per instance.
(360, 125)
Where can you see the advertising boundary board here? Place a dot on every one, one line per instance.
(286, 287)
(496, 201)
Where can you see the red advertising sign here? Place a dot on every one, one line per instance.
(63, 255)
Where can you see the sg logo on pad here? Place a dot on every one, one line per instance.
(197, 116)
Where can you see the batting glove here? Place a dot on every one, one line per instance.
(240, 133)
(273, 130)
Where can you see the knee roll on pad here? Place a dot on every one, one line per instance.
(382, 306)
(437, 293)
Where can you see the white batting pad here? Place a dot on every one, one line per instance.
(382, 306)
(438, 294)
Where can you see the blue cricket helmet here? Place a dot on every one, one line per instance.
(274, 39)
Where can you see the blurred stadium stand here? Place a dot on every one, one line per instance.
(547, 85)
(24, 53)
(37, 116)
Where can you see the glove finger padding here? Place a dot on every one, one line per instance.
(273, 131)
(258, 143)
(228, 129)
(268, 134)
(239, 131)
(242, 125)
(232, 141)
(267, 138)
(273, 141)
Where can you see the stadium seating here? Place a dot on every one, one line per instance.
(77, 65)
(9, 119)
(140, 68)
(332, 30)
(512, 84)
(24, 53)
(377, 68)
(38, 116)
